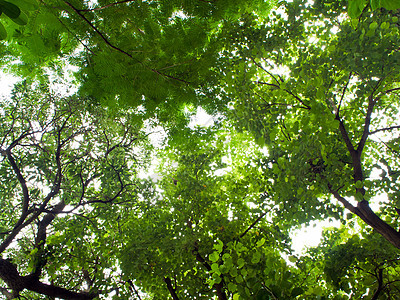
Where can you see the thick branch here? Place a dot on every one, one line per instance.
(364, 211)
(343, 200)
(219, 287)
(22, 182)
(345, 136)
(23, 221)
(41, 237)
(9, 274)
(171, 288)
(355, 154)
(367, 123)
(380, 285)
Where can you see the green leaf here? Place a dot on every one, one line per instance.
(373, 25)
(256, 257)
(232, 287)
(359, 184)
(11, 10)
(353, 8)
(219, 246)
(375, 4)
(241, 262)
(390, 4)
(22, 19)
(239, 279)
(300, 191)
(3, 32)
(215, 268)
(214, 256)
(261, 242)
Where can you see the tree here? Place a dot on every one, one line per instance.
(306, 106)
(153, 55)
(199, 238)
(318, 101)
(65, 186)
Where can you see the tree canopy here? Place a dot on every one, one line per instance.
(304, 101)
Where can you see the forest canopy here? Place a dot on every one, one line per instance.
(110, 190)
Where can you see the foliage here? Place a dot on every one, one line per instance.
(66, 184)
(356, 7)
(305, 104)
(360, 264)
(316, 100)
(12, 11)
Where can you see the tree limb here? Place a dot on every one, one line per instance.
(170, 288)
(385, 129)
(132, 286)
(367, 123)
(10, 275)
(343, 93)
(106, 6)
(218, 286)
(104, 38)
(253, 224)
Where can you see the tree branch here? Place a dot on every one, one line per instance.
(105, 6)
(265, 70)
(41, 237)
(391, 90)
(343, 93)
(385, 129)
(98, 32)
(367, 123)
(253, 224)
(342, 200)
(266, 83)
(345, 136)
(22, 182)
(132, 286)
(10, 275)
(380, 285)
(171, 288)
(119, 49)
(218, 286)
